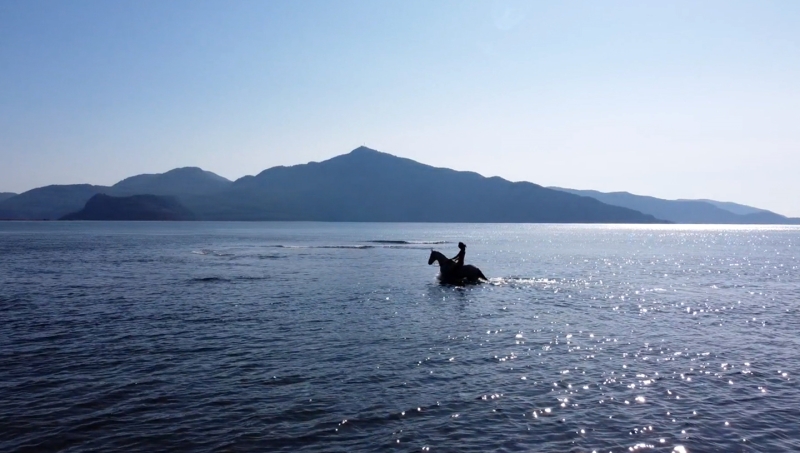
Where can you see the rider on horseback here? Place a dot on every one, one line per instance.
(453, 270)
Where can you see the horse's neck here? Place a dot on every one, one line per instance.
(443, 260)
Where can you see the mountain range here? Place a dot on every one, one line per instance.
(688, 211)
(56, 201)
(363, 185)
(367, 185)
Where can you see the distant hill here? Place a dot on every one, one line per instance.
(6, 195)
(135, 207)
(180, 181)
(367, 185)
(735, 208)
(687, 211)
(49, 202)
(54, 202)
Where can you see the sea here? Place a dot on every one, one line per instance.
(334, 337)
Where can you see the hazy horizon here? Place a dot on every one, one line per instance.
(675, 101)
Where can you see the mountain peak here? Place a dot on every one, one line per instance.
(196, 170)
(370, 157)
(365, 150)
(184, 180)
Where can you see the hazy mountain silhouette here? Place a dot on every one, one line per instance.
(367, 185)
(735, 208)
(180, 181)
(6, 195)
(686, 211)
(49, 202)
(134, 207)
(54, 202)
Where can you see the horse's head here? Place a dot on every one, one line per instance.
(433, 257)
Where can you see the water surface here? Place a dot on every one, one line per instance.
(337, 337)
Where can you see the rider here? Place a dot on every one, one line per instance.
(458, 260)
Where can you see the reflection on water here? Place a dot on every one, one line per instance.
(198, 337)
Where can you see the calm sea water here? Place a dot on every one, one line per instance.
(337, 337)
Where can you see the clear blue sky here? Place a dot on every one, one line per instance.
(694, 99)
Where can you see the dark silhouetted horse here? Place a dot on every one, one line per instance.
(450, 273)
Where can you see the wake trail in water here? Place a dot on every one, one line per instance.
(519, 281)
(402, 242)
(406, 245)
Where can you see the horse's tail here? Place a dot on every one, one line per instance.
(480, 274)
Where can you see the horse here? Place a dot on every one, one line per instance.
(449, 274)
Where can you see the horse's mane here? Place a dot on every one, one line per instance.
(439, 254)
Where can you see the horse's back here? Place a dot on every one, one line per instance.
(472, 273)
